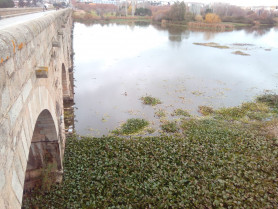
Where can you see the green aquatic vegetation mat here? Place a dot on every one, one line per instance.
(270, 99)
(160, 113)
(170, 126)
(181, 112)
(217, 161)
(131, 126)
(248, 111)
(214, 164)
(149, 100)
(205, 110)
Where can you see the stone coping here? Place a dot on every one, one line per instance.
(16, 36)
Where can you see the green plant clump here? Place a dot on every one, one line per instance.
(149, 100)
(248, 111)
(180, 112)
(205, 110)
(170, 127)
(270, 99)
(160, 113)
(132, 126)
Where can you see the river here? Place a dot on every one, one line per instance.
(115, 65)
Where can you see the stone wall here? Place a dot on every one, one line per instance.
(31, 60)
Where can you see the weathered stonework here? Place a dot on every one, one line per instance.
(30, 106)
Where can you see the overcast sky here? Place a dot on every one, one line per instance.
(241, 2)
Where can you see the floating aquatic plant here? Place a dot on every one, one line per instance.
(132, 126)
(149, 100)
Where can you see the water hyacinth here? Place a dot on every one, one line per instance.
(149, 100)
(217, 161)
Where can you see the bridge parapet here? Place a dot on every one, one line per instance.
(31, 106)
(11, 12)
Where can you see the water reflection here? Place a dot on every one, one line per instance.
(257, 31)
(113, 59)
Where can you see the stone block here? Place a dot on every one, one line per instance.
(19, 169)
(22, 155)
(26, 90)
(56, 44)
(17, 187)
(14, 142)
(2, 203)
(42, 72)
(4, 133)
(9, 66)
(5, 99)
(25, 123)
(2, 178)
(15, 110)
(9, 158)
(24, 142)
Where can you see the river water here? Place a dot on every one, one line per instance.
(115, 65)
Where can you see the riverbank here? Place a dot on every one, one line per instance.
(86, 17)
(226, 158)
(90, 18)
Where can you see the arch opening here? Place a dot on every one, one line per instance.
(44, 164)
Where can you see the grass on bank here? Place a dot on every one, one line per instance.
(223, 160)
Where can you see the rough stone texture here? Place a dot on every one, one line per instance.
(24, 142)
(19, 169)
(15, 110)
(24, 97)
(2, 178)
(22, 155)
(17, 187)
(5, 98)
(26, 90)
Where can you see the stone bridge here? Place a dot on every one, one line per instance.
(35, 81)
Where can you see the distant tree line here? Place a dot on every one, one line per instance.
(28, 3)
(213, 14)
(143, 12)
(6, 3)
(179, 11)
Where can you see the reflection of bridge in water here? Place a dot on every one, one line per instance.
(35, 81)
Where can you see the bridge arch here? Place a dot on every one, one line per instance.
(38, 121)
(44, 160)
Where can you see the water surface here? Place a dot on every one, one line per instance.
(115, 65)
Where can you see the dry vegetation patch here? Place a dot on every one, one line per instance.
(212, 44)
(240, 53)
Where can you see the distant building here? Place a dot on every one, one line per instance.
(115, 2)
(195, 8)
